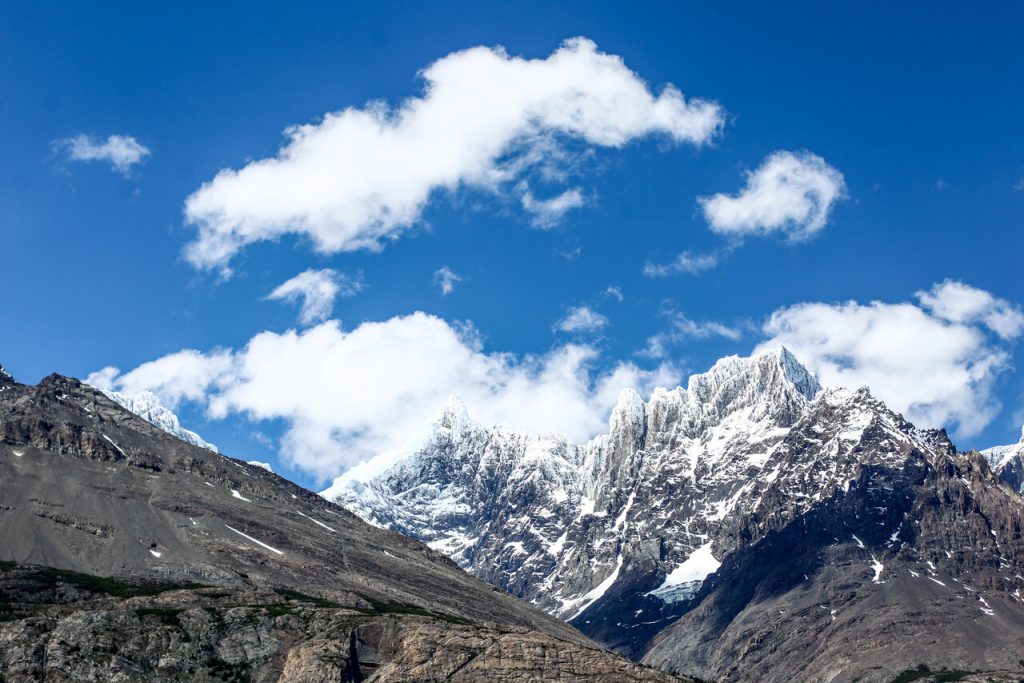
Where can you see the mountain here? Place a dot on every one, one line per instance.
(752, 526)
(147, 405)
(129, 554)
(1008, 462)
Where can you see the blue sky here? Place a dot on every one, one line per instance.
(919, 108)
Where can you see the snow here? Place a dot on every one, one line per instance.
(935, 580)
(239, 496)
(209, 484)
(264, 465)
(119, 450)
(987, 609)
(18, 454)
(878, 567)
(316, 521)
(147, 405)
(686, 579)
(598, 592)
(859, 542)
(155, 553)
(556, 547)
(259, 543)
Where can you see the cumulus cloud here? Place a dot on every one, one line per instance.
(681, 328)
(183, 375)
(317, 291)
(445, 280)
(791, 193)
(959, 303)
(486, 120)
(122, 152)
(348, 395)
(686, 262)
(935, 360)
(581, 319)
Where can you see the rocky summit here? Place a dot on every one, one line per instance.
(129, 554)
(752, 526)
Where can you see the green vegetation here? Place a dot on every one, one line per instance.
(302, 597)
(228, 672)
(379, 607)
(922, 671)
(39, 579)
(167, 616)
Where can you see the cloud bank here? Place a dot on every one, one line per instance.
(935, 360)
(346, 396)
(486, 120)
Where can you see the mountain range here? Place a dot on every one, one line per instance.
(752, 526)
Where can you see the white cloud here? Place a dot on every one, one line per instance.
(959, 303)
(486, 120)
(581, 319)
(183, 375)
(686, 262)
(346, 396)
(548, 212)
(614, 292)
(934, 361)
(445, 280)
(681, 329)
(317, 290)
(120, 151)
(789, 192)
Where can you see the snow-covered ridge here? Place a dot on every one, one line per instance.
(1008, 462)
(559, 522)
(148, 406)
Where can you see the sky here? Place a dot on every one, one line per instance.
(304, 228)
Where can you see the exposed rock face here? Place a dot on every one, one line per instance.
(1008, 462)
(291, 579)
(750, 527)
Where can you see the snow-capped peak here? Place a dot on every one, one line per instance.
(455, 418)
(147, 405)
(1008, 462)
(5, 376)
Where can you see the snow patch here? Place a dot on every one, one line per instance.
(259, 543)
(685, 580)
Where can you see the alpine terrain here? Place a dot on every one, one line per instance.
(752, 526)
(127, 553)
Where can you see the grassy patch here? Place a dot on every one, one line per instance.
(228, 672)
(47, 578)
(379, 607)
(302, 597)
(922, 671)
(167, 616)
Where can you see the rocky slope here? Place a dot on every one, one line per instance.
(750, 527)
(224, 571)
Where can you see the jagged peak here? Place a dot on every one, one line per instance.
(5, 377)
(455, 417)
(764, 370)
(629, 410)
